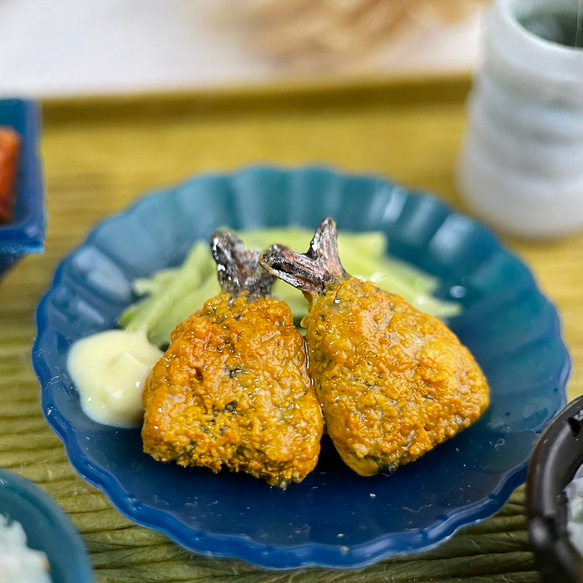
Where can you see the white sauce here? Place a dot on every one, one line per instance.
(109, 370)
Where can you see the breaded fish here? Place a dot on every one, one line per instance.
(233, 389)
(393, 382)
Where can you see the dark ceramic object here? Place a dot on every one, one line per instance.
(556, 458)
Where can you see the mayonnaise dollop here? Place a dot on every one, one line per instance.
(109, 370)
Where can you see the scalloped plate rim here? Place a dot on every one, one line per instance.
(250, 550)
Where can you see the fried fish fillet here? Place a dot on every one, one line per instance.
(393, 382)
(233, 389)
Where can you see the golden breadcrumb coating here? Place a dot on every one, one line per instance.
(393, 382)
(233, 390)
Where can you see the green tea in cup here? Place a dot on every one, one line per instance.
(563, 28)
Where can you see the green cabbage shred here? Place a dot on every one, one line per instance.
(171, 295)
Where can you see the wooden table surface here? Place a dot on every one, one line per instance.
(99, 155)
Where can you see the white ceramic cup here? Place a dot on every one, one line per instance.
(521, 166)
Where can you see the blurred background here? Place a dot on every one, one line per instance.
(70, 48)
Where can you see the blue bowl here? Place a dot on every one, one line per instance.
(25, 234)
(47, 528)
(334, 518)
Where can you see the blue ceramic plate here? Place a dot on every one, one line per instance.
(26, 233)
(334, 518)
(47, 528)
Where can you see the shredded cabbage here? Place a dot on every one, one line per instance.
(171, 295)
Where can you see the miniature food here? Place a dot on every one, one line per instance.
(18, 562)
(109, 370)
(393, 382)
(9, 151)
(233, 390)
(171, 295)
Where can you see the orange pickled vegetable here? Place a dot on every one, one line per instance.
(9, 151)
